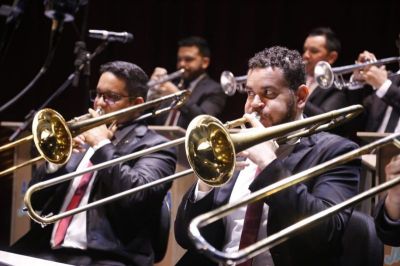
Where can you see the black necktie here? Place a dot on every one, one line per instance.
(393, 121)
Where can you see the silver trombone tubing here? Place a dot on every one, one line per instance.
(261, 246)
(270, 133)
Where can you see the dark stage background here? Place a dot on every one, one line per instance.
(235, 31)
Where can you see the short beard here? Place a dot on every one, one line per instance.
(292, 112)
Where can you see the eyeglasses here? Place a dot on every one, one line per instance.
(109, 98)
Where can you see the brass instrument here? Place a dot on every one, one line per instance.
(326, 76)
(174, 75)
(261, 246)
(53, 135)
(231, 84)
(210, 150)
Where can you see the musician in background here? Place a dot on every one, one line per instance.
(380, 96)
(121, 232)
(277, 93)
(321, 44)
(387, 219)
(206, 97)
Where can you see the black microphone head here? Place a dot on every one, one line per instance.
(61, 10)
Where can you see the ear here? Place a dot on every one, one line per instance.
(205, 62)
(138, 100)
(301, 96)
(332, 56)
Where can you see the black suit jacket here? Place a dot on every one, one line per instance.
(206, 98)
(376, 107)
(318, 246)
(388, 231)
(121, 229)
(324, 100)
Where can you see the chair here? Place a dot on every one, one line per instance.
(160, 238)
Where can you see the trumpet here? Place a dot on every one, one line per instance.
(263, 245)
(52, 135)
(210, 150)
(326, 76)
(231, 84)
(177, 74)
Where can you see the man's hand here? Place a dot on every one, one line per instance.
(93, 136)
(163, 89)
(261, 154)
(392, 202)
(372, 75)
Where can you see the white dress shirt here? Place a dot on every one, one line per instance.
(234, 221)
(75, 236)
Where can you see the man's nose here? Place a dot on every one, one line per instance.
(257, 103)
(99, 102)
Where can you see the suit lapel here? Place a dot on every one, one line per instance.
(292, 162)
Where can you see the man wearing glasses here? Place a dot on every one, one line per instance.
(121, 232)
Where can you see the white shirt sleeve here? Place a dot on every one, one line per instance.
(381, 91)
(101, 144)
(198, 195)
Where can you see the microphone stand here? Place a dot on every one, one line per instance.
(54, 40)
(86, 60)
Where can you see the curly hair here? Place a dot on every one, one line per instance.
(135, 78)
(290, 61)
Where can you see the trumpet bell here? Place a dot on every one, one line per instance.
(52, 136)
(228, 83)
(323, 74)
(210, 150)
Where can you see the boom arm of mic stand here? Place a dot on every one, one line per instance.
(63, 86)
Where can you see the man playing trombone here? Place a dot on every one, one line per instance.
(121, 232)
(276, 93)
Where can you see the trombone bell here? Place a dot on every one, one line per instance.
(210, 150)
(52, 136)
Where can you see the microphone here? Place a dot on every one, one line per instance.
(111, 36)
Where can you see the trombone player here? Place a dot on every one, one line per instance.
(119, 233)
(277, 93)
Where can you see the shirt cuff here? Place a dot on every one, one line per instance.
(380, 92)
(51, 167)
(101, 144)
(389, 220)
(198, 195)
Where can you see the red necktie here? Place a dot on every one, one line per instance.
(75, 200)
(251, 225)
(171, 118)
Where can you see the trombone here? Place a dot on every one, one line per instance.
(53, 135)
(259, 247)
(326, 76)
(231, 84)
(210, 150)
